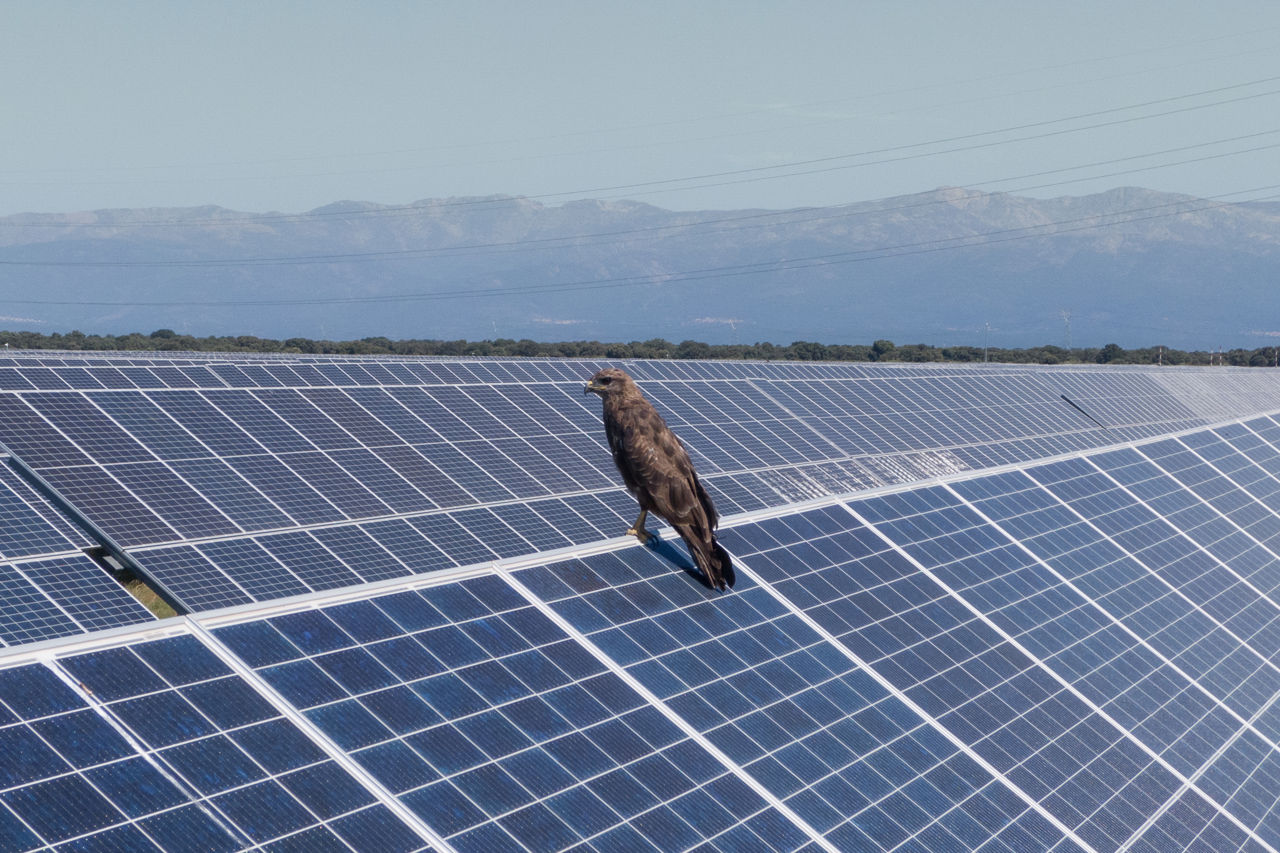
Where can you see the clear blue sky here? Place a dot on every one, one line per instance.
(287, 106)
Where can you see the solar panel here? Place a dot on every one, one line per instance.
(161, 746)
(492, 725)
(832, 742)
(412, 576)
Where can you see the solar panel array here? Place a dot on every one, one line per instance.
(1003, 608)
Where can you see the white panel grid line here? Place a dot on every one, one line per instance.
(1230, 442)
(50, 656)
(147, 753)
(1194, 778)
(152, 394)
(1235, 526)
(328, 551)
(1252, 497)
(1090, 601)
(326, 744)
(1252, 723)
(40, 588)
(306, 400)
(818, 438)
(103, 468)
(1153, 574)
(960, 745)
(175, 423)
(212, 400)
(1245, 724)
(688, 730)
(1180, 534)
(1124, 732)
(497, 705)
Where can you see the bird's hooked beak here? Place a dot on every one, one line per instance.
(593, 387)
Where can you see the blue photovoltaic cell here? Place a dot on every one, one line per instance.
(1037, 754)
(1238, 678)
(312, 422)
(100, 497)
(258, 573)
(308, 560)
(340, 488)
(543, 533)
(147, 423)
(1134, 583)
(404, 423)
(192, 578)
(206, 422)
(232, 494)
(391, 488)
(285, 489)
(216, 767)
(453, 539)
(360, 553)
(90, 429)
(10, 481)
(173, 500)
(496, 534)
(1117, 665)
(1100, 646)
(425, 476)
(1172, 830)
(474, 480)
(797, 713)
(27, 614)
(23, 530)
(408, 546)
(257, 419)
(85, 591)
(352, 417)
(495, 728)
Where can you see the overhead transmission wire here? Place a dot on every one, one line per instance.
(764, 110)
(747, 175)
(825, 260)
(698, 226)
(738, 134)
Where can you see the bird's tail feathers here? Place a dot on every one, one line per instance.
(709, 556)
(726, 565)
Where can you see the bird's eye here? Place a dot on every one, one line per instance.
(605, 380)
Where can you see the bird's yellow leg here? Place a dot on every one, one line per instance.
(637, 530)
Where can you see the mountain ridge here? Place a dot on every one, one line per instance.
(951, 265)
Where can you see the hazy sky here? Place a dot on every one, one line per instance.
(291, 105)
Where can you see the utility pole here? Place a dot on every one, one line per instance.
(985, 338)
(1066, 320)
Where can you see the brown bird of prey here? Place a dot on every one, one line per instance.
(657, 471)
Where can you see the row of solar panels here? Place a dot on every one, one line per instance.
(1080, 654)
(262, 492)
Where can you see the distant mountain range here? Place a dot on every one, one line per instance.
(1131, 266)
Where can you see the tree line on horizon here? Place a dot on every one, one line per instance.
(880, 350)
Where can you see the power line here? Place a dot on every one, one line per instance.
(622, 235)
(763, 110)
(830, 259)
(755, 173)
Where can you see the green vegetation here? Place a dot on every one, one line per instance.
(881, 350)
(139, 589)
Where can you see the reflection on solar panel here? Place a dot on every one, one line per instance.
(804, 720)
(48, 587)
(163, 747)
(492, 725)
(991, 607)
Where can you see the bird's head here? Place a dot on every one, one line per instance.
(610, 381)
